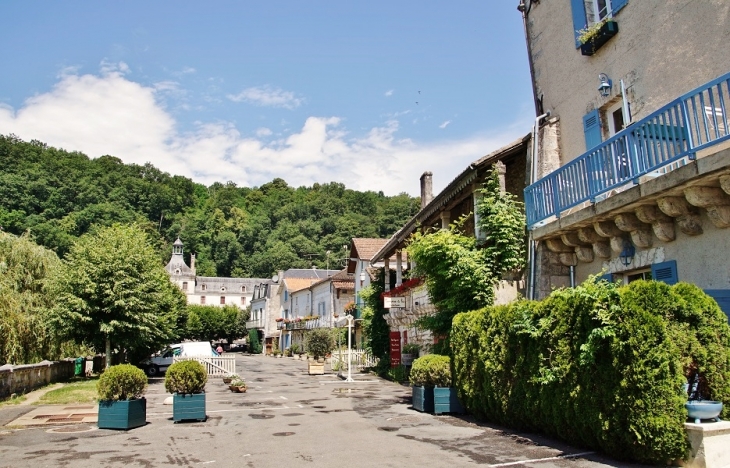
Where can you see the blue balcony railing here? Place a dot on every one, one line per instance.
(654, 144)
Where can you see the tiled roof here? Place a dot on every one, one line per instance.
(308, 273)
(344, 284)
(297, 284)
(365, 248)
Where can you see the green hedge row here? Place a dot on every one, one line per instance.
(598, 365)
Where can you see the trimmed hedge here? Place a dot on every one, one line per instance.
(121, 382)
(186, 377)
(598, 365)
(431, 370)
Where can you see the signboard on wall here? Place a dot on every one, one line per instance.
(393, 302)
(394, 349)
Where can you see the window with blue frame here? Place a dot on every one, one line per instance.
(589, 12)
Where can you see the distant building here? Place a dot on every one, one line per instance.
(208, 290)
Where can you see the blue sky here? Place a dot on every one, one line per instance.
(370, 94)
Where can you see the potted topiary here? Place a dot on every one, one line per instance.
(432, 390)
(121, 405)
(318, 343)
(186, 381)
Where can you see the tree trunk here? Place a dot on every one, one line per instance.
(108, 352)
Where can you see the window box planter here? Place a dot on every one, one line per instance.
(446, 401)
(606, 32)
(423, 399)
(188, 406)
(125, 414)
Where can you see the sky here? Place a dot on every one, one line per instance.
(370, 94)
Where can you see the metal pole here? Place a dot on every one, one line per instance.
(349, 348)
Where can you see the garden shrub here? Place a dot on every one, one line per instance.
(186, 377)
(121, 382)
(598, 365)
(431, 370)
(254, 344)
(319, 342)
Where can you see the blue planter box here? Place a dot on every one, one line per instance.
(446, 401)
(188, 406)
(125, 415)
(423, 399)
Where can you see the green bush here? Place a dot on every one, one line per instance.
(398, 374)
(431, 370)
(319, 342)
(122, 382)
(598, 365)
(185, 377)
(254, 345)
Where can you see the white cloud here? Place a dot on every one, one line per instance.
(445, 124)
(389, 93)
(110, 67)
(267, 96)
(110, 114)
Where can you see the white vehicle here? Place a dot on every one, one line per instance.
(162, 360)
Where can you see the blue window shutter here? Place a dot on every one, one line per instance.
(665, 271)
(607, 277)
(579, 18)
(722, 297)
(592, 129)
(616, 5)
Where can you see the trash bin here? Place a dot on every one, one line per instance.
(79, 366)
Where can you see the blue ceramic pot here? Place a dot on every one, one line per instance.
(703, 409)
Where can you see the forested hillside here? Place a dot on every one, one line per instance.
(235, 231)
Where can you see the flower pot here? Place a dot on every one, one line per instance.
(227, 381)
(316, 368)
(703, 409)
(126, 414)
(446, 401)
(188, 406)
(607, 31)
(422, 399)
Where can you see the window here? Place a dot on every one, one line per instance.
(202, 300)
(203, 287)
(243, 300)
(243, 289)
(638, 275)
(223, 289)
(592, 129)
(286, 296)
(223, 300)
(185, 286)
(177, 271)
(665, 271)
(615, 117)
(589, 12)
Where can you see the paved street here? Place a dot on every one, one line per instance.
(288, 419)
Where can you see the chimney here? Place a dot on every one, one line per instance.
(192, 262)
(426, 188)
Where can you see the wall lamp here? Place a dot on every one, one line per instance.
(605, 87)
(627, 254)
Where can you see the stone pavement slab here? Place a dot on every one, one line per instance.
(57, 414)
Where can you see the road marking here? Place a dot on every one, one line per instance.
(205, 463)
(283, 397)
(536, 460)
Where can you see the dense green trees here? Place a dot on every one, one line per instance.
(112, 289)
(212, 323)
(235, 231)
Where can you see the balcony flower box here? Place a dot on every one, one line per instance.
(596, 39)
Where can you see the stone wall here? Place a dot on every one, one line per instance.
(26, 377)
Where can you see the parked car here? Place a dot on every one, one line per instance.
(159, 362)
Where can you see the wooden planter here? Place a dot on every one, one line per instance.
(316, 368)
(126, 414)
(607, 31)
(423, 399)
(237, 389)
(446, 401)
(188, 406)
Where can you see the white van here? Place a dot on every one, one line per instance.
(162, 360)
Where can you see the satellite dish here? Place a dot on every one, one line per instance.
(275, 278)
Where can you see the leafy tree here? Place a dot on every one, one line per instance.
(113, 290)
(211, 323)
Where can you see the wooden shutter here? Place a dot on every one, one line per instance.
(607, 277)
(665, 271)
(616, 5)
(592, 129)
(579, 18)
(722, 297)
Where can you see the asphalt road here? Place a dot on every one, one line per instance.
(291, 419)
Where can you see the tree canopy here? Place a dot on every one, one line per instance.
(113, 290)
(234, 231)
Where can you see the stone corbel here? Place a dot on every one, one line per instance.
(640, 234)
(568, 259)
(589, 236)
(607, 229)
(571, 239)
(584, 254)
(713, 200)
(602, 249)
(725, 183)
(661, 224)
(686, 215)
(556, 245)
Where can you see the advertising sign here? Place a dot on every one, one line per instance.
(394, 302)
(394, 349)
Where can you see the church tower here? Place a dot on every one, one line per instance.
(180, 273)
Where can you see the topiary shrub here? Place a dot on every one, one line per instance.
(186, 377)
(319, 342)
(431, 370)
(254, 344)
(122, 382)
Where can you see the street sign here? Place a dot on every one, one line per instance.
(394, 349)
(394, 302)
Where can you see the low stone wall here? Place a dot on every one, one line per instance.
(26, 377)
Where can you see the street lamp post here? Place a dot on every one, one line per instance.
(350, 319)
